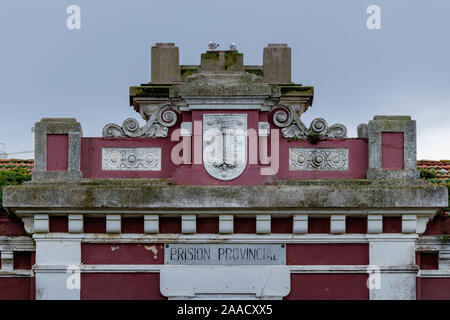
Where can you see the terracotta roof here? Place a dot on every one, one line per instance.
(441, 167)
(8, 164)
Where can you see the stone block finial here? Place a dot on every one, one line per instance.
(165, 63)
(222, 61)
(277, 63)
(57, 149)
(392, 148)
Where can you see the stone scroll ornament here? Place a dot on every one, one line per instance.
(292, 127)
(164, 117)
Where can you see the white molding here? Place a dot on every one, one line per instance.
(16, 274)
(226, 223)
(300, 224)
(13, 243)
(113, 223)
(75, 223)
(312, 212)
(409, 223)
(228, 238)
(151, 224)
(41, 223)
(7, 258)
(145, 268)
(434, 274)
(337, 224)
(374, 223)
(263, 224)
(188, 224)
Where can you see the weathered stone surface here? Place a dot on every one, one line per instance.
(165, 63)
(277, 63)
(221, 61)
(47, 126)
(402, 124)
(226, 84)
(131, 193)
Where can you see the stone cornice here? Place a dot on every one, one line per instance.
(157, 194)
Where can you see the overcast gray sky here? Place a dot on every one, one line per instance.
(47, 70)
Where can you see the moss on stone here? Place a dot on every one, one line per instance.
(255, 71)
(210, 55)
(231, 59)
(187, 71)
(150, 91)
(297, 90)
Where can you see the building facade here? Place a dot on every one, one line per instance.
(225, 193)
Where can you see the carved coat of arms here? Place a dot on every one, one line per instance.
(225, 145)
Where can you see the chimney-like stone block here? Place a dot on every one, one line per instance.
(376, 132)
(225, 61)
(165, 63)
(277, 63)
(44, 132)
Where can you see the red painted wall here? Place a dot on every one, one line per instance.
(322, 286)
(355, 225)
(11, 226)
(17, 288)
(57, 152)
(120, 286)
(439, 225)
(94, 225)
(58, 224)
(327, 254)
(207, 225)
(392, 147)
(132, 225)
(319, 225)
(433, 288)
(392, 224)
(281, 225)
(128, 253)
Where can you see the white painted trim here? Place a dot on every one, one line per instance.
(188, 224)
(13, 243)
(16, 274)
(263, 224)
(151, 223)
(228, 238)
(141, 268)
(113, 223)
(434, 274)
(75, 223)
(312, 212)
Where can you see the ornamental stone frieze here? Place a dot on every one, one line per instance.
(292, 127)
(164, 117)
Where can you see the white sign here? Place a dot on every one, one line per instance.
(225, 254)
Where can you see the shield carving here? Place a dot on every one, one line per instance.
(225, 145)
